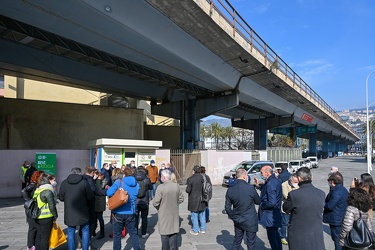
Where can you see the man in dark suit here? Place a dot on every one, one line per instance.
(305, 205)
(270, 206)
(240, 201)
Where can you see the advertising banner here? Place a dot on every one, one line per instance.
(46, 162)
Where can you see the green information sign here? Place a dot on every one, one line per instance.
(46, 162)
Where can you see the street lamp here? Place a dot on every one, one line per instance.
(369, 153)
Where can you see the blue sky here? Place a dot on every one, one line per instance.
(329, 43)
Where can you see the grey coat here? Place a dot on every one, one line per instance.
(351, 215)
(305, 230)
(167, 199)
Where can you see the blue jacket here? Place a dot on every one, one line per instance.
(240, 201)
(335, 205)
(284, 175)
(129, 184)
(270, 203)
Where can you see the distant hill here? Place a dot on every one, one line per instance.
(222, 121)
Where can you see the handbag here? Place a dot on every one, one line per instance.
(360, 236)
(57, 237)
(120, 197)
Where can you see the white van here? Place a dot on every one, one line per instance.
(314, 161)
(294, 165)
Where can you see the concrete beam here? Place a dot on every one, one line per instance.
(206, 107)
(170, 109)
(271, 122)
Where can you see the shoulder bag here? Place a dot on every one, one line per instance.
(119, 198)
(360, 236)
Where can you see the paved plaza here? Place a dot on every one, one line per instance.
(220, 231)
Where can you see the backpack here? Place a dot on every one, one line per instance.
(206, 189)
(31, 208)
(142, 189)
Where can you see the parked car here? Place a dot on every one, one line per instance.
(294, 165)
(314, 161)
(280, 163)
(253, 170)
(308, 163)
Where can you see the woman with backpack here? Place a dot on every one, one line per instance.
(27, 194)
(46, 201)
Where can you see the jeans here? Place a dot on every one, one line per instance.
(143, 210)
(238, 236)
(202, 219)
(85, 237)
(335, 235)
(284, 225)
(99, 217)
(274, 238)
(151, 193)
(127, 220)
(43, 231)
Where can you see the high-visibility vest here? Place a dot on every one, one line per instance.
(24, 169)
(44, 208)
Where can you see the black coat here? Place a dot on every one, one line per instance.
(141, 176)
(77, 195)
(194, 187)
(240, 201)
(305, 230)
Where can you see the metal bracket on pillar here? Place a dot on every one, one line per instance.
(170, 109)
(206, 107)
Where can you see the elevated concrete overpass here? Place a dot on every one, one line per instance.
(190, 58)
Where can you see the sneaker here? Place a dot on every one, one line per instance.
(145, 236)
(193, 233)
(202, 231)
(79, 246)
(207, 221)
(283, 241)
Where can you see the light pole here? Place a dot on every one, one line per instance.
(369, 150)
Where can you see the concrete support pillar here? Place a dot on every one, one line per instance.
(20, 88)
(324, 147)
(332, 147)
(189, 125)
(260, 134)
(312, 144)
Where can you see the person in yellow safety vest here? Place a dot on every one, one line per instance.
(47, 204)
(23, 170)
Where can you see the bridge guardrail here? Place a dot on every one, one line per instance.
(242, 28)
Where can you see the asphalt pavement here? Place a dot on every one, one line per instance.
(219, 233)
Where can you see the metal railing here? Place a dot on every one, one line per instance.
(242, 28)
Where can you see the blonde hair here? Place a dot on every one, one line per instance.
(116, 171)
(173, 178)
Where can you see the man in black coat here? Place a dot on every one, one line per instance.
(240, 201)
(76, 194)
(305, 205)
(196, 206)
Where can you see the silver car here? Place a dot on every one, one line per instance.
(253, 170)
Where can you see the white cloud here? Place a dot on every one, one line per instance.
(313, 67)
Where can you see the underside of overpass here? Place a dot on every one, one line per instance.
(172, 53)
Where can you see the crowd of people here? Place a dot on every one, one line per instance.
(293, 211)
(85, 194)
(290, 208)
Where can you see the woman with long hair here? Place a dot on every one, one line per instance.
(366, 183)
(359, 203)
(27, 194)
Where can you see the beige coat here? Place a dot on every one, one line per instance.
(167, 199)
(286, 188)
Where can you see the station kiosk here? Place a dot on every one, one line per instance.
(122, 151)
